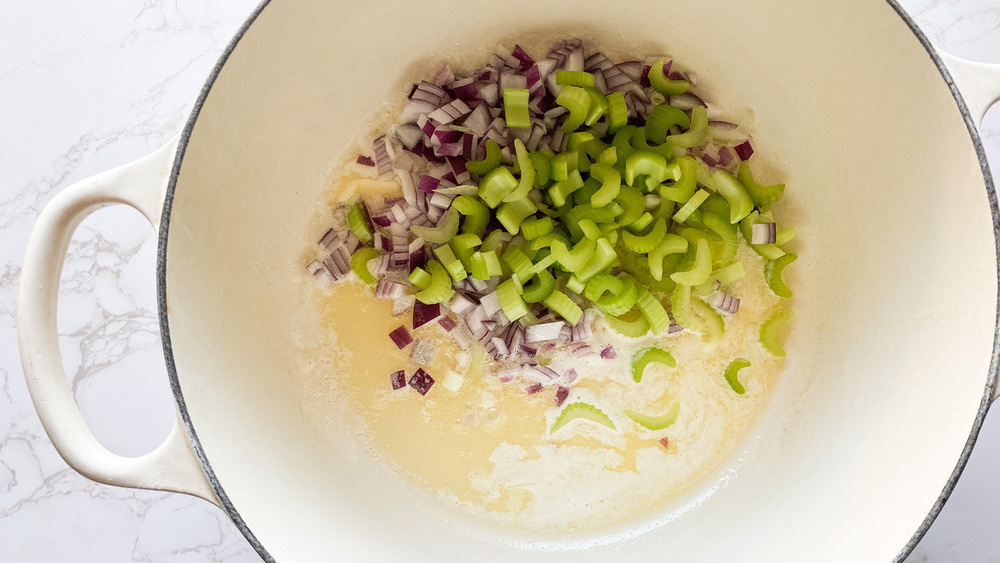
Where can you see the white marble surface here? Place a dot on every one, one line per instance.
(85, 86)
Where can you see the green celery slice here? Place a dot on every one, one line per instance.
(515, 108)
(611, 183)
(770, 333)
(451, 262)
(671, 244)
(477, 215)
(493, 267)
(692, 204)
(661, 118)
(680, 307)
(762, 195)
(477, 266)
(700, 270)
(440, 289)
(527, 180)
(599, 106)
(632, 324)
(642, 244)
(581, 411)
(728, 274)
(714, 324)
(445, 231)
(603, 257)
(573, 260)
(651, 165)
(600, 284)
(620, 303)
(647, 356)
(561, 189)
(727, 232)
(535, 227)
(420, 278)
(563, 306)
(617, 114)
(732, 374)
(510, 301)
(633, 205)
(358, 224)
(653, 310)
(492, 241)
(489, 162)
(655, 422)
(541, 162)
(773, 270)
(574, 78)
(740, 202)
(696, 134)
(664, 85)
(577, 101)
(512, 213)
(359, 263)
(538, 290)
(683, 189)
(517, 261)
(496, 185)
(463, 246)
(769, 251)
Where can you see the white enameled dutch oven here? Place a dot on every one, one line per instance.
(891, 360)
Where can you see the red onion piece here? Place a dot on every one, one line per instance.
(460, 304)
(665, 443)
(608, 353)
(365, 160)
(421, 381)
(533, 388)
(383, 158)
(764, 233)
(543, 332)
(447, 323)
(744, 150)
(398, 379)
(423, 313)
(401, 337)
(561, 394)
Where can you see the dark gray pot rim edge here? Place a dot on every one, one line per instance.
(161, 261)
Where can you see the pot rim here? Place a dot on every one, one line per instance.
(161, 291)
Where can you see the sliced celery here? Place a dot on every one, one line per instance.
(527, 180)
(477, 215)
(603, 258)
(642, 244)
(517, 261)
(682, 190)
(633, 205)
(358, 224)
(512, 213)
(539, 289)
(563, 306)
(712, 321)
(599, 106)
(680, 307)
(611, 183)
(773, 270)
(692, 204)
(762, 195)
(420, 278)
(770, 332)
(632, 324)
(440, 289)
(664, 85)
(515, 108)
(359, 263)
(510, 301)
(451, 262)
(647, 356)
(535, 227)
(671, 244)
(740, 202)
(661, 118)
(477, 266)
(581, 411)
(617, 113)
(700, 270)
(577, 101)
(655, 422)
(496, 185)
(561, 189)
(574, 78)
(463, 246)
(728, 274)
(732, 374)
(653, 310)
(541, 162)
(648, 164)
(489, 162)
(619, 303)
(573, 260)
(445, 231)
(696, 134)
(727, 232)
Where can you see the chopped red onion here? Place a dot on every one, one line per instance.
(319, 271)
(460, 304)
(533, 388)
(383, 158)
(491, 303)
(450, 112)
(665, 442)
(500, 347)
(764, 233)
(421, 381)
(528, 349)
(580, 350)
(608, 353)
(561, 394)
(465, 89)
(726, 303)
(543, 332)
(447, 323)
(522, 57)
(424, 313)
(542, 374)
(428, 183)
(409, 135)
(402, 305)
(744, 150)
(569, 376)
(581, 331)
(365, 160)
(386, 289)
(687, 101)
(474, 320)
(331, 236)
(401, 337)
(398, 379)
(707, 159)
(506, 376)
(725, 156)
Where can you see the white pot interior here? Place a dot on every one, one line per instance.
(895, 286)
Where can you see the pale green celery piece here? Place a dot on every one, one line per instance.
(696, 134)
(770, 332)
(647, 356)
(732, 374)
(527, 180)
(701, 269)
(692, 204)
(660, 422)
(445, 231)
(740, 202)
(659, 81)
(581, 411)
(773, 270)
(712, 321)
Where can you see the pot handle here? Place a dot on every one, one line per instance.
(978, 82)
(173, 466)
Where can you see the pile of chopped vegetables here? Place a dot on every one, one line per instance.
(535, 192)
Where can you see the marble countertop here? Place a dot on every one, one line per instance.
(86, 86)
